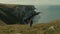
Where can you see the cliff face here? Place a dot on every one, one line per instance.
(21, 14)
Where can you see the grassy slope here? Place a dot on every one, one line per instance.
(25, 29)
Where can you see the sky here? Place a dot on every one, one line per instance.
(50, 8)
(31, 2)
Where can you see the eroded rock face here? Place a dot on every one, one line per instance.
(20, 14)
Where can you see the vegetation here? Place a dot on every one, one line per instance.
(25, 29)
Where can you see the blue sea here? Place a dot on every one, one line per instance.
(48, 13)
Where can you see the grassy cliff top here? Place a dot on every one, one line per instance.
(36, 29)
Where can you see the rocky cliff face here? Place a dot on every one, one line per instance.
(17, 14)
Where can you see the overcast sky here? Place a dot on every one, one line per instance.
(33, 2)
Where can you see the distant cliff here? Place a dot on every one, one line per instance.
(21, 14)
